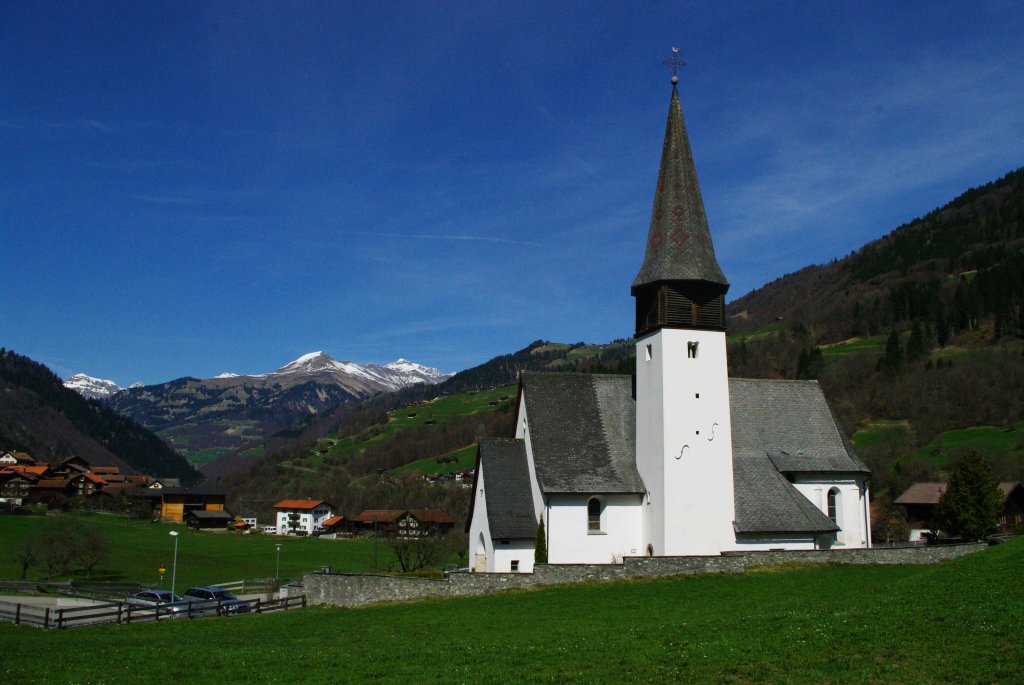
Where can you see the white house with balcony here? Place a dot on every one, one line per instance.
(679, 459)
(302, 516)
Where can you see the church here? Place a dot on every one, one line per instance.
(679, 459)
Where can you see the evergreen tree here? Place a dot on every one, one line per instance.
(972, 501)
(893, 357)
(540, 551)
(917, 346)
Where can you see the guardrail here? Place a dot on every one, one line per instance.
(119, 612)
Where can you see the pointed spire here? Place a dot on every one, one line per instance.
(678, 242)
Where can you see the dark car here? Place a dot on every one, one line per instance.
(164, 602)
(215, 600)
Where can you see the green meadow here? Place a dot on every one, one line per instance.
(465, 458)
(875, 344)
(138, 548)
(435, 412)
(955, 622)
(994, 441)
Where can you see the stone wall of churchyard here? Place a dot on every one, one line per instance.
(353, 590)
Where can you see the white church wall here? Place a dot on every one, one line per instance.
(523, 433)
(684, 440)
(767, 542)
(481, 556)
(852, 510)
(513, 556)
(571, 542)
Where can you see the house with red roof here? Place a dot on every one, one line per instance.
(302, 516)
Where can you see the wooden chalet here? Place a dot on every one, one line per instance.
(175, 503)
(404, 523)
(921, 499)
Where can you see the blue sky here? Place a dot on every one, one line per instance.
(194, 188)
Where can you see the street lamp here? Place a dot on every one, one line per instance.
(277, 571)
(174, 566)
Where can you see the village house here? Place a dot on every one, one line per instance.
(72, 481)
(176, 503)
(921, 499)
(679, 459)
(404, 523)
(302, 516)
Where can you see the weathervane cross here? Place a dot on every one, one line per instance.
(673, 62)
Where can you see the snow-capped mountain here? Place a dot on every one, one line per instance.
(232, 413)
(394, 376)
(92, 388)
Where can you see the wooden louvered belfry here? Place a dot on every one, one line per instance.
(680, 284)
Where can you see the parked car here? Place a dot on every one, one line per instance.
(165, 601)
(208, 600)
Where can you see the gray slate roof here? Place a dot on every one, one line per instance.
(582, 430)
(678, 241)
(507, 481)
(767, 503)
(792, 422)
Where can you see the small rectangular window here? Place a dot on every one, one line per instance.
(515, 566)
(691, 349)
(648, 354)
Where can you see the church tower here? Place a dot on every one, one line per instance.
(683, 429)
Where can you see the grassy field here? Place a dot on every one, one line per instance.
(947, 623)
(989, 440)
(464, 459)
(139, 547)
(874, 344)
(757, 332)
(882, 431)
(436, 412)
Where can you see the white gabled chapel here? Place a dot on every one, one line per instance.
(680, 460)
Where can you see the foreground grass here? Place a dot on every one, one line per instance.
(139, 547)
(954, 622)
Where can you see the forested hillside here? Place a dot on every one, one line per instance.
(955, 270)
(40, 416)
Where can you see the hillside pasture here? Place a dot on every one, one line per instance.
(996, 442)
(955, 622)
(432, 413)
(874, 344)
(464, 458)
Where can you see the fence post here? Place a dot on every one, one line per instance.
(46, 619)
(17, 614)
(60, 619)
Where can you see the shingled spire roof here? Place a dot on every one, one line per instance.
(678, 242)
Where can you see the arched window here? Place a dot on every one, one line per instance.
(594, 515)
(833, 505)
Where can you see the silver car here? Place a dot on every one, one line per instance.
(215, 600)
(164, 602)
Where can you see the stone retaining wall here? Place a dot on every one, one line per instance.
(353, 590)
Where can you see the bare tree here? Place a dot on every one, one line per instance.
(25, 553)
